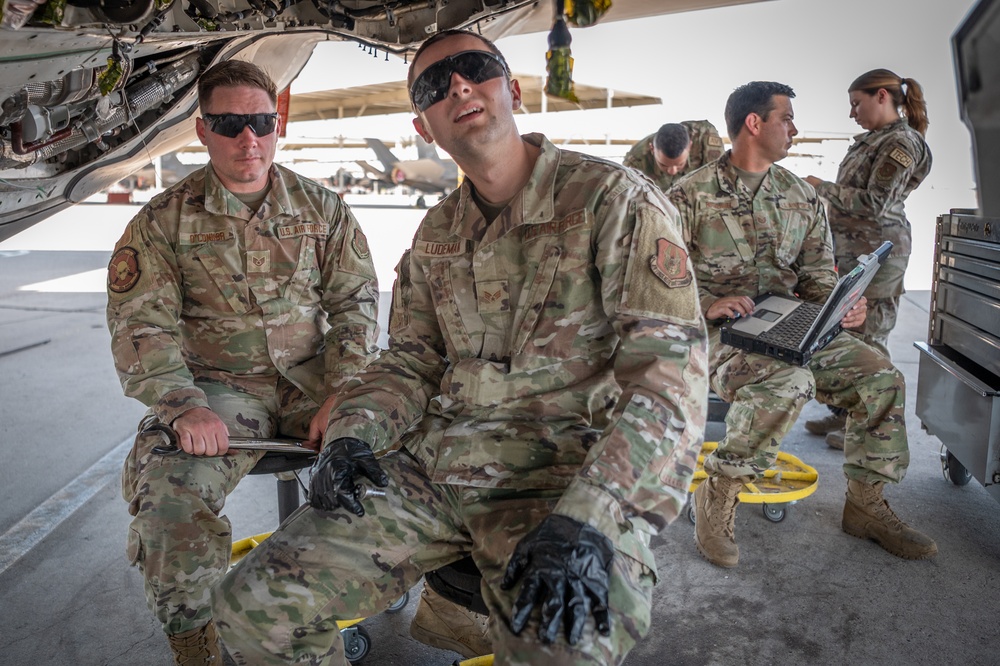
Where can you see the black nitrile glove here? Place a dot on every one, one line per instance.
(333, 473)
(565, 565)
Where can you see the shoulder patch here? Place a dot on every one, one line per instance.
(123, 270)
(901, 156)
(360, 244)
(714, 140)
(670, 264)
(885, 173)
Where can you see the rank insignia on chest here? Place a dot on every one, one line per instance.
(123, 271)
(360, 244)
(258, 261)
(670, 264)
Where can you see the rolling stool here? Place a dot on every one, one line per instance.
(285, 466)
(717, 408)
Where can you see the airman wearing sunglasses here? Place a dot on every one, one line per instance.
(239, 300)
(540, 407)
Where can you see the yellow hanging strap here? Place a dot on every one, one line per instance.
(583, 13)
(559, 63)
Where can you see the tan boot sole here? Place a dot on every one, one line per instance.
(442, 642)
(861, 532)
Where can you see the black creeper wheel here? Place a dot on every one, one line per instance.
(774, 512)
(399, 604)
(357, 643)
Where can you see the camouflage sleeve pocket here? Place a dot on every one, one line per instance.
(659, 282)
(402, 292)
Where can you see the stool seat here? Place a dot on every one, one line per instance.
(274, 462)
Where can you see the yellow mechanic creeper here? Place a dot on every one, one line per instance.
(485, 660)
(788, 481)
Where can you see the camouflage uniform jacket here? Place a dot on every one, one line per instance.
(706, 146)
(744, 245)
(880, 170)
(558, 347)
(201, 289)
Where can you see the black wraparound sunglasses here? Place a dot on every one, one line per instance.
(232, 124)
(433, 84)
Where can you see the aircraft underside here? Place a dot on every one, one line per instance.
(93, 90)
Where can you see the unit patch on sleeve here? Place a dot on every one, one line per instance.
(900, 156)
(670, 264)
(360, 244)
(123, 271)
(885, 173)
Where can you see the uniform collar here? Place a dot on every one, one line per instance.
(536, 199)
(728, 177)
(871, 134)
(220, 201)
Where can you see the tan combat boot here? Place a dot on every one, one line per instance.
(867, 516)
(715, 501)
(446, 625)
(829, 423)
(835, 439)
(197, 647)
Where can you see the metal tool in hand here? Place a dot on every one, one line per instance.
(171, 445)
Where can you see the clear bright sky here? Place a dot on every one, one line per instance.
(694, 60)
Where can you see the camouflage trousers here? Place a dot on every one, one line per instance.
(280, 603)
(178, 537)
(767, 395)
(883, 301)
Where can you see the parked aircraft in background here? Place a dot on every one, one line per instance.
(162, 172)
(428, 173)
(92, 90)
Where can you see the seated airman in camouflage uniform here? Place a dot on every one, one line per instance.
(541, 404)
(238, 301)
(753, 227)
(675, 150)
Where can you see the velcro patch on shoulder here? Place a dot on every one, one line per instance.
(885, 173)
(658, 281)
(359, 243)
(715, 140)
(123, 270)
(901, 156)
(670, 264)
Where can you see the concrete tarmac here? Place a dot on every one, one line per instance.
(803, 593)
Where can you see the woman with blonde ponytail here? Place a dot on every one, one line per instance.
(885, 163)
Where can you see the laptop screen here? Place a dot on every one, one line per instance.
(849, 290)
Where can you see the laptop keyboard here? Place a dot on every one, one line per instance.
(789, 331)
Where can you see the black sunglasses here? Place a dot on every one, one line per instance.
(232, 124)
(433, 84)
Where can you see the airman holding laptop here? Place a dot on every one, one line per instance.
(753, 227)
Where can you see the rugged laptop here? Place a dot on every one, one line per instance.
(792, 330)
